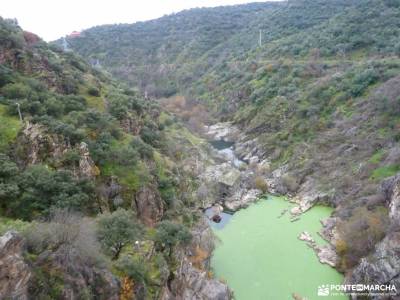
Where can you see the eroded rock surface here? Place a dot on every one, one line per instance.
(222, 131)
(191, 280)
(149, 205)
(383, 265)
(14, 272)
(87, 166)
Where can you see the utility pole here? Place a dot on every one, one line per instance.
(260, 39)
(19, 113)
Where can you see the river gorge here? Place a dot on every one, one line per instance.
(263, 252)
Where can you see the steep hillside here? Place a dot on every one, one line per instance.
(319, 98)
(166, 55)
(92, 176)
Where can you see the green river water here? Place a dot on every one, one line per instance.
(261, 258)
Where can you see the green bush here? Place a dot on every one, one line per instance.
(169, 234)
(16, 91)
(93, 91)
(116, 230)
(41, 190)
(133, 268)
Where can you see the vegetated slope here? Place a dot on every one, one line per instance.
(320, 95)
(167, 54)
(91, 169)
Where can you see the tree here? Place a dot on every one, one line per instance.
(8, 188)
(169, 234)
(116, 230)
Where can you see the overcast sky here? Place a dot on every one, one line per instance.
(52, 19)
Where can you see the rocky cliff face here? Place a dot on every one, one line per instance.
(35, 145)
(192, 283)
(80, 280)
(383, 266)
(191, 280)
(149, 205)
(14, 272)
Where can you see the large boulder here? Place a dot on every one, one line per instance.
(242, 198)
(223, 173)
(14, 272)
(222, 131)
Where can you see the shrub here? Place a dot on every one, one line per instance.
(73, 103)
(93, 91)
(69, 85)
(16, 91)
(261, 184)
(68, 234)
(150, 136)
(133, 268)
(360, 233)
(290, 183)
(125, 155)
(145, 150)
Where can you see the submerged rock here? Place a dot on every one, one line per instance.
(242, 198)
(326, 253)
(216, 218)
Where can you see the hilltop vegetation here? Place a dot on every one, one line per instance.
(320, 94)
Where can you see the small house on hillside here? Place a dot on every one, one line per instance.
(74, 34)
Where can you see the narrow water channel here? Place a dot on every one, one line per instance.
(260, 257)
